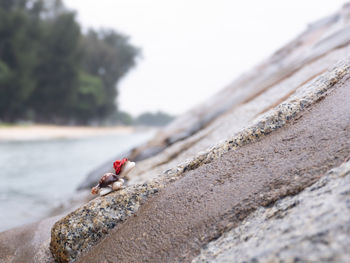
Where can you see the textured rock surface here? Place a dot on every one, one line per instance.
(82, 228)
(29, 243)
(313, 226)
(264, 87)
(213, 198)
(313, 52)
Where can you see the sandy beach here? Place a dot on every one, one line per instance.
(46, 132)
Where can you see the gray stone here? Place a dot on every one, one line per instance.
(203, 203)
(313, 226)
(85, 226)
(28, 243)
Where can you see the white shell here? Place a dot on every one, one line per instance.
(105, 190)
(127, 168)
(117, 185)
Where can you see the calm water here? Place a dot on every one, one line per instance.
(35, 176)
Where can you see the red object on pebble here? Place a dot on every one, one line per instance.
(117, 165)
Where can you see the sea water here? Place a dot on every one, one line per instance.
(35, 176)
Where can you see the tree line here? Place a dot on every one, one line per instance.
(145, 119)
(52, 72)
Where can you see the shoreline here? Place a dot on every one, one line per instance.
(49, 132)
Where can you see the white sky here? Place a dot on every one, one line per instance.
(194, 48)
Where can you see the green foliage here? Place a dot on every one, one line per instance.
(57, 73)
(19, 57)
(50, 71)
(88, 98)
(154, 119)
(109, 56)
(5, 73)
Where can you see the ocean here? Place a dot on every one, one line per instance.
(36, 176)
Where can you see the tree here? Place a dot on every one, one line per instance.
(88, 97)
(18, 57)
(58, 70)
(110, 56)
(154, 119)
(50, 71)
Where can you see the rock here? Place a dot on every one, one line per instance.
(85, 226)
(266, 86)
(239, 178)
(29, 243)
(313, 52)
(313, 226)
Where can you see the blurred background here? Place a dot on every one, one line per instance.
(82, 81)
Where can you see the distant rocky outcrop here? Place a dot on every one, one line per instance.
(258, 173)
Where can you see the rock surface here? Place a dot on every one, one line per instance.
(313, 226)
(234, 108)
(29, 243)
(81, 230)
(215, 196)
(85, 226)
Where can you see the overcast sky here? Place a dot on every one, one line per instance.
(193, 48)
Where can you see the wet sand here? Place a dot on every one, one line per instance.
(45, 132)
(173, 225)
